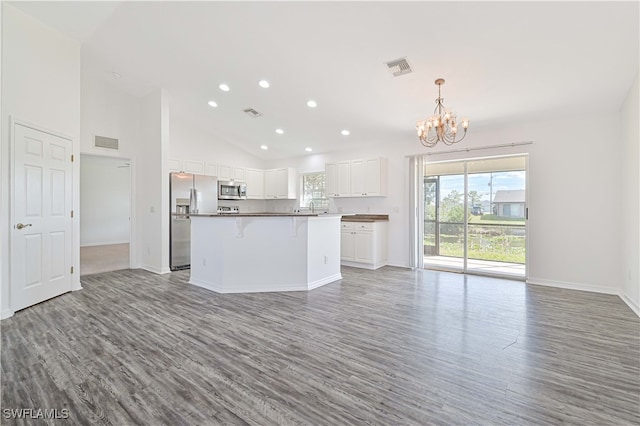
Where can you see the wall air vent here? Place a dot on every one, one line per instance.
(399, 67)
(105, 142)
(252, 113)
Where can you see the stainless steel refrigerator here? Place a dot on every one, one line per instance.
(189, 194)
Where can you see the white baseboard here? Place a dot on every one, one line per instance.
(6, 313)
(573, 286)
(156, 270)
(633, 305)
(208, 286)
(324, 281)
(398, 265)
(252, 288)
(104, 243)
(370, 266)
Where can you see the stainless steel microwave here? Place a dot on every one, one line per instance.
(232, 190)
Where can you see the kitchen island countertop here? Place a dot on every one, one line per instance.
(268, 214)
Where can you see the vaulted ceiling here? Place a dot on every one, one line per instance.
(501, 61)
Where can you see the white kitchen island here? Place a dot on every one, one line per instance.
(246, 253)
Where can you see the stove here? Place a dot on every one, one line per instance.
(228, 209)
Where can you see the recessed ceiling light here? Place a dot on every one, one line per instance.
(212, 104)
(224, 87)
(279, 131)
(116, 75)
(312, 104)
(264, 84)
(264, 147)
(345, 132)
(308, 149)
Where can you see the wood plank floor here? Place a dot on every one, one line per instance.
(386, 347)
(106, 258)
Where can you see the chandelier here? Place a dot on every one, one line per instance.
(442, 126)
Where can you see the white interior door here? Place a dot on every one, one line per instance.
(42, 223)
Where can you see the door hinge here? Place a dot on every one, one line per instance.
(72, 157)
(71, 213)
(72, 269)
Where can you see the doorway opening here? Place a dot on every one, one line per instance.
(105, 220)
(475, 216)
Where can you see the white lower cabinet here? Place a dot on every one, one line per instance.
(363, 244)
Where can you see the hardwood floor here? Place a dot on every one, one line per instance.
(386, 347)
(106, 258)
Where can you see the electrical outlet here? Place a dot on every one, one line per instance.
(148, 250)
(152, 209)
(204, 262)
(326, 259)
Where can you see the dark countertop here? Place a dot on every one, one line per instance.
(267, 215)
(366, 218)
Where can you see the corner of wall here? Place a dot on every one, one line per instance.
(632, 304)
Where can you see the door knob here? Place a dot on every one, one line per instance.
(20, 225)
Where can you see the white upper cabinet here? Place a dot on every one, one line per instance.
(210, 169)
(240, 173)
(174, 165)
(344, 179)
(357, 178)
(338, 179)
(280, 184)
(196, 167)
(331, 180)
(255, 184)
(225, 172)
(374, 177)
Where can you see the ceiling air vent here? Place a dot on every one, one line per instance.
(399, 67)
(105, 142)
(252, 113)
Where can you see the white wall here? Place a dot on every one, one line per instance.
(41, 86)
(395, 204)
(152, 204)
(574, 200)
(631, 198)
(191, 142)
(108, 111)
(573, 164)
(105, 200)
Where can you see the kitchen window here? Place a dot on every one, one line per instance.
(312, 188)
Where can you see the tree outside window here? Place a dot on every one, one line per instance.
(313, 189)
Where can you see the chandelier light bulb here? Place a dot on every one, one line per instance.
(442, 126)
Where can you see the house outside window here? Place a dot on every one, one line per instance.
(312, 189)
(509, 203)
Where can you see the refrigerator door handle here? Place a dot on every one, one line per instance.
(193, 201)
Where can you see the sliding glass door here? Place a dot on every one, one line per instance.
(475, 216)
